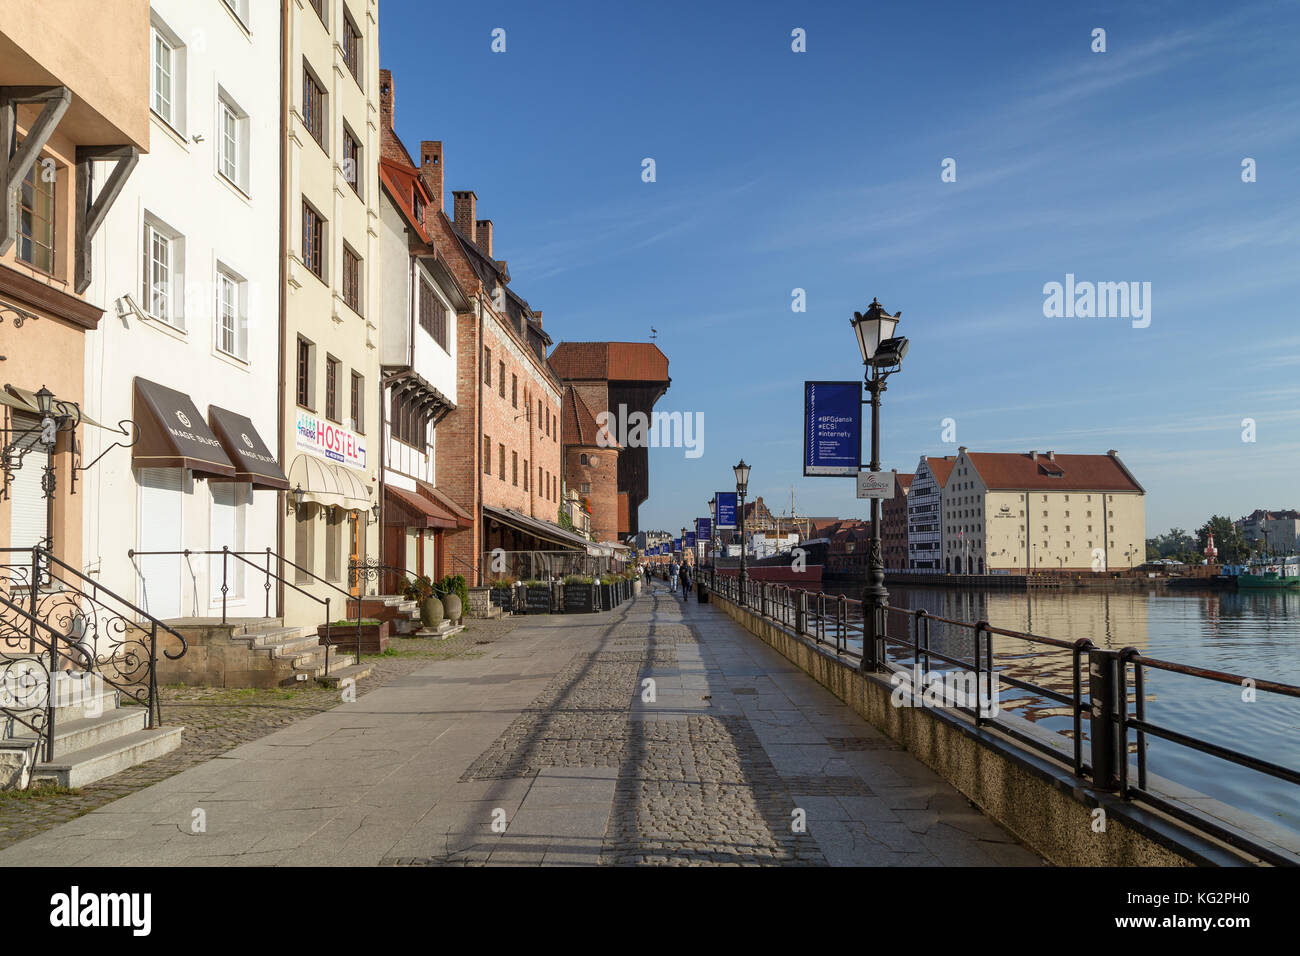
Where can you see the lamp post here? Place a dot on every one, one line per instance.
(742, 485)
(882, 355)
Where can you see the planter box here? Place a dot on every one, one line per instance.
(608, 596)
(579, 599)
(374, 637)
(537, 600)
(502, 598)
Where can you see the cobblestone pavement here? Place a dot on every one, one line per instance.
(216, 720)
(656, 733)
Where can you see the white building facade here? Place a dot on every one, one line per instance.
(189, 350)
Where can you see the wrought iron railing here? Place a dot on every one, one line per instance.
(1106, 702)
(265, 560)
(55, 620)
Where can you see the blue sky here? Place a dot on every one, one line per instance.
(821, 170)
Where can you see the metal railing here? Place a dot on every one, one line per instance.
(1106, 702)
(271, 557)
(55, 620)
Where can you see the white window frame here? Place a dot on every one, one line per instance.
(228, 279)
(173, 312)
(174, 113)
(232, 135)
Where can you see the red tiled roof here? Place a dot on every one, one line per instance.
(941, 468)
(400, 182)
(610, 361)
(578, 425)
(1008, 471)
(904, 481)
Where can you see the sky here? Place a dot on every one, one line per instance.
(777, 170)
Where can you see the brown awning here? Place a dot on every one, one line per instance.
(173, 434)
(463, 518)
(409, 510)
(254, 462)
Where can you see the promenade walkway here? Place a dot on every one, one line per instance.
(554, 737)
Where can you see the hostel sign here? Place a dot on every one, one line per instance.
(327, 440)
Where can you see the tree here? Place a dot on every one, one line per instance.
(1227, 539)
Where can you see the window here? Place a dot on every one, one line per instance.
(352, 47)
(163, 99)
(305, 381)
(586, 488)
(319, 7)
(313, 107)
(539, 413)
(332, 388)
(433, 314)
(487, 455)
(487, 367)
(313, 241)
(514, 390)
(514, 468)
(239, 8)
(525, 474)
(352, 280)
(36, 216)
(351, 161)
(358, 405)
(164, 285)
(501, 379)
(501, 461)
(540, 485)
(232, 142)
(304, 545)
(231, 324)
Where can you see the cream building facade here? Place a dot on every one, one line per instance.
(190, 263)
(1009, 513)
(330, 341)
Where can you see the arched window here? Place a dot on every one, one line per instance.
(582, 459)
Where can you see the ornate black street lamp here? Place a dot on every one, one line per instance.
(742, 485)
(882, 355)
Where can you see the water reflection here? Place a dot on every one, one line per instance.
(1252, 634)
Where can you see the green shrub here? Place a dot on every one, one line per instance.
(501, 584)
(577, 579)
(455, 584)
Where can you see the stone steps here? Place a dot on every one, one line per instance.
(97, 761)
(338, 675)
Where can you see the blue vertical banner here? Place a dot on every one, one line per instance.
(677, 544)
(690, 539)
(703, 529)
(832, 429)
(725, 509)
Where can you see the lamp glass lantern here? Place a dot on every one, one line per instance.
(872, 328)
(45, 402)
(742, 476)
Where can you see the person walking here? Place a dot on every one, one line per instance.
(673, 571)
(685, 580)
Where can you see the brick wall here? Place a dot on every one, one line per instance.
(603, 480)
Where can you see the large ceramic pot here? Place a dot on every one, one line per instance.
(452, 606)
(431, 611)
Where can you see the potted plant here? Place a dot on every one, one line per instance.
(608, 591)
(455, 595)
(421, 591)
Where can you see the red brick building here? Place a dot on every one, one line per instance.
(591, 468)
(498, 455)
(893, 524)
(618, 378)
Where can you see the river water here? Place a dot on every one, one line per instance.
(1254, 634)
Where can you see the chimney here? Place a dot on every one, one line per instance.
(387, 92)
(464, 205)
(431, 169)
(961, 449)
(1113, 453)
(1051, 456)
(1033, 455)
(484, 232)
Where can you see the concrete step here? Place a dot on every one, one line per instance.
(274, 638)
(255, 627)
(312, 667)
(76, 699)
(80, 767)
(73, 735)
(441, 633)
(294, 646)
(338, 675)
